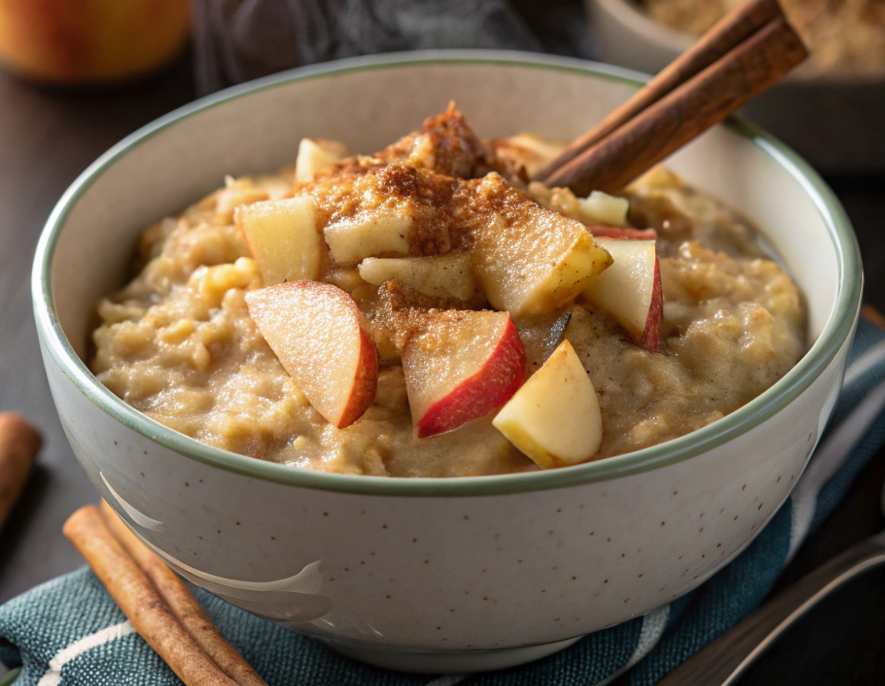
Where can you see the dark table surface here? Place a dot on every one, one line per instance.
(47, 137)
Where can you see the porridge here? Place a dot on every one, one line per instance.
(428, 312)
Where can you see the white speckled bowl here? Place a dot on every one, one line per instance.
(834, 121)
(447, 574)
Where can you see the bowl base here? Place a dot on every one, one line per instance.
(453, 661)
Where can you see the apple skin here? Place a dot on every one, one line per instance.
(496, 380)
(554, 418)
(321, 338)
(652, 335)
(90, 41)
(630, 290)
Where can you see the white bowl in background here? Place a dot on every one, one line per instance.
(437, 575)
(835, 122)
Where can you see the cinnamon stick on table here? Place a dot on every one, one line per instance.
(19, 443)
(140, 601)
(181, 602)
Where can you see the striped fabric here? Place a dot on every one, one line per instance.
(69, 632)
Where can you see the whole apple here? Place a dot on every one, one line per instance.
(90, 41)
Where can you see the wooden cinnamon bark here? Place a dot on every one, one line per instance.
(19, 443)
(731, 31)
(182, 603)
(693, 107)
(140, 601)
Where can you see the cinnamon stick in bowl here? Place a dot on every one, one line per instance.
(19, 443)
(683, 101)
(741, 23)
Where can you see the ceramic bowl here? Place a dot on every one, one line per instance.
(835, 122)
(437, 575)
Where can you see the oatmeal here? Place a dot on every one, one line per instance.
(409, 294)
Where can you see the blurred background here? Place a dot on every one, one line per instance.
(78, 75)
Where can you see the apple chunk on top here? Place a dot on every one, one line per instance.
(631, 291)
(458, 364)
(554, 418)
(322, 340)
(530, 260)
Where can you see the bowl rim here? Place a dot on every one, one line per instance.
(630, 14)
(833, 336)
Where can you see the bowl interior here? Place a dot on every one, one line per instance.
(367, 104)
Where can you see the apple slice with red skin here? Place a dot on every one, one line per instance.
(630, 289)
(320, 337)
(460, 365)
(600, 231)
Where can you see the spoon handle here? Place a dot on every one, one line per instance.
(726, 658)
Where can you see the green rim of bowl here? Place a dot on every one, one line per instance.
(835, 334)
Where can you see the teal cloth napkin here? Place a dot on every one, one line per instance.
(69, 632)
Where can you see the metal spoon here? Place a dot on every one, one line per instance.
(726, 658)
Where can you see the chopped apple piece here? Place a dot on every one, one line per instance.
(368, 234)
(530, 260)
(620, 232)
(237, 192)
(322, 340)
(602, 208)
(444, 276)
(554, 418)
(314, 156)
(347, 279)
(284, 238)
(630, 290)
(460, 365)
